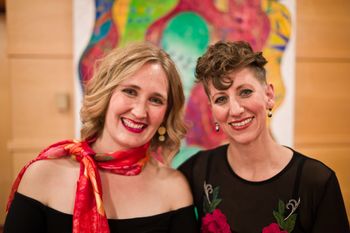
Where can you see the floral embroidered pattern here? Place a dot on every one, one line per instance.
(214, 220)
(284, 224)
(273, 228)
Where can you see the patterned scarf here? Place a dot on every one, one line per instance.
(89, 214)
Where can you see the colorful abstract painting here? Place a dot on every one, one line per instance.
(184, 28)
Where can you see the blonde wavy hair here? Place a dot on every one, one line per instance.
(119, 65)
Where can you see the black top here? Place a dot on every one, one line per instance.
(27, 215)
(310, 187)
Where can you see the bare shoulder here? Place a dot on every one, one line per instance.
(45, 177)
(176, 187)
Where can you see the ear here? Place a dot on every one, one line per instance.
(270, 94)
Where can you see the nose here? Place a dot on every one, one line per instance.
(236, 108)
(139, 109)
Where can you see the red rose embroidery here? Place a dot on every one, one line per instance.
(215, 222)
(273, 228)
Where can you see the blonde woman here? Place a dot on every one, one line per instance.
(108, 181)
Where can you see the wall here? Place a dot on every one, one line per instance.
(41, 73)
(5, 119)
(322, 127)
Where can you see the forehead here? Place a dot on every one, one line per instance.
(150, 75)
(245, 75)
(238, 78)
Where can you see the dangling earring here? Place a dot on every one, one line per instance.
(269, 113)
(217, 127)
(161, 132)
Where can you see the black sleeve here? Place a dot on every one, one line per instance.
(187, 169)
(331, 214)
(25, 215)
(184, 221)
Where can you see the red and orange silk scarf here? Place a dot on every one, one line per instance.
(89, 214)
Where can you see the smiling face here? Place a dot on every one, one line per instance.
(241, 110)
(136, 109)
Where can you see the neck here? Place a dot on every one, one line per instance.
(259, 160)
(256, 152)
(103, 146)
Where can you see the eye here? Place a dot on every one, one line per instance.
(220, 100)
(130, 91)
(157, 101)
(245, 92)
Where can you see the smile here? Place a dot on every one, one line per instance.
(133, 126)
(241, 123)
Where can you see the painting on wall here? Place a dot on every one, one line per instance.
(184, 29)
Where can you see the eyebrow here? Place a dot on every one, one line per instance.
(157, 94)
(217, 93)
(241, 86)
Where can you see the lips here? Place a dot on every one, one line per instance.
(242, 124)
(133, 126)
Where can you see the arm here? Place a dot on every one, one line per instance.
(25, 215)
(42, 180)
(331, 214)
(184, 218)
(194, 171)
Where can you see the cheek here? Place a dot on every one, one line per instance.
(109, 110)
(118, 104)
(110, 118)
(157, 115)
(258, 106)
(219, 114)
(258, 110)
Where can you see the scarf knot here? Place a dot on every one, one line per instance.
(79, 149)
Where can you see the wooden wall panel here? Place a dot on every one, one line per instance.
(39, 27)
(21, 159)
(36, 86)
(322, 111)
(322, 102)
(323, 29)
(5, 121)
(41, 72)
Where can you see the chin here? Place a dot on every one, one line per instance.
(244, 139)
(242, 142)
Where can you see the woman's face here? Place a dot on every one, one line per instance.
(241, 110)
(136, 109)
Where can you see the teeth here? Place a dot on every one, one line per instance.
(242, 122)
(132, 124)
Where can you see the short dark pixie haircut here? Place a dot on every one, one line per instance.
(223, 58)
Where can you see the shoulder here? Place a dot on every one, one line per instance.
(201, 158)
(315, 172)
(44, 177)
(174, 185)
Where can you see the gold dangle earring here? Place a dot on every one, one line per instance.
(269, 113)
(161, 132)
(217, 127)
